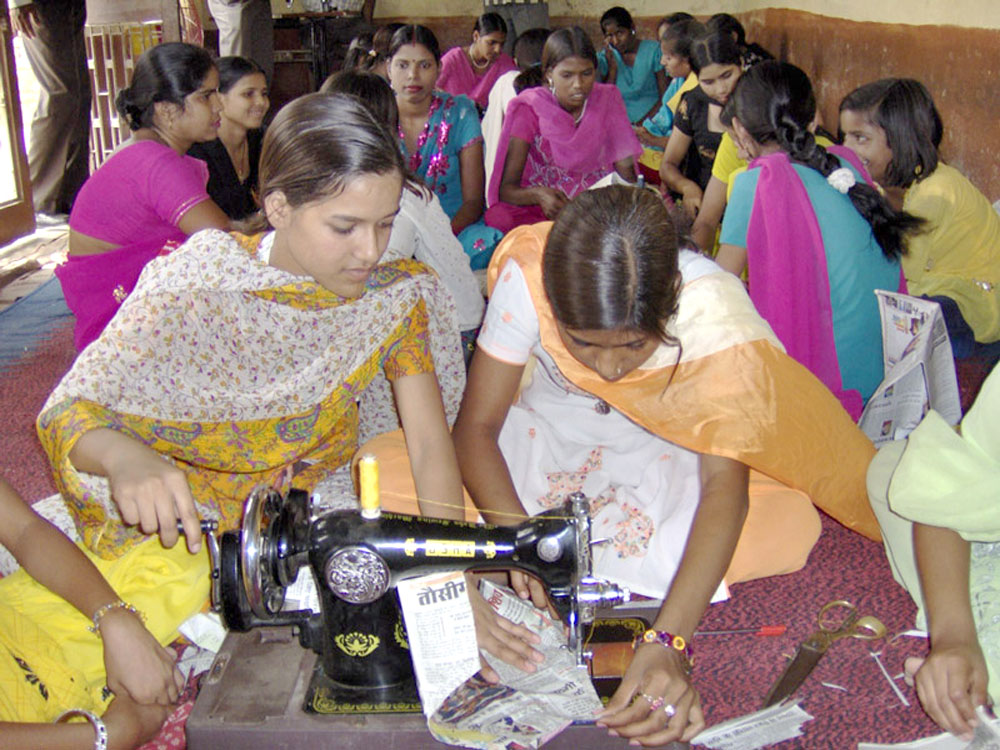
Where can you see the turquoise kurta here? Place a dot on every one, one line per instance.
(637, 82)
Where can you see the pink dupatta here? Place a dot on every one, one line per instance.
(789, 281)
(458, 77)
(579, 153)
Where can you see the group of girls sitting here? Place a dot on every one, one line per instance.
(613, 359)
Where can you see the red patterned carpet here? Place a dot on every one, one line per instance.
(733, 673)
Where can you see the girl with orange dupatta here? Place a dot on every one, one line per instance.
(660, 394)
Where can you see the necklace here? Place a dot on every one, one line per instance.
(240, 160)
(483, 66)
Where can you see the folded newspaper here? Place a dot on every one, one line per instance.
(525, 709)
(918, 366)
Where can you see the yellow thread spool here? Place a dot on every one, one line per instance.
(371, 503)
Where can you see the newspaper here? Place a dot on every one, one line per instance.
(525, 709)
(918, 366)
(987, 737)
(759, 729)
(441, 634)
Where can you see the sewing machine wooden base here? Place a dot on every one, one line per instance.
(252, 699)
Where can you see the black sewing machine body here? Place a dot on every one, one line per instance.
(356, 563)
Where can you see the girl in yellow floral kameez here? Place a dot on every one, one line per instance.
(238, 360)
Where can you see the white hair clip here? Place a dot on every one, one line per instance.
(841, 179)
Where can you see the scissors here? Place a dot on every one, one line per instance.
(837, 619)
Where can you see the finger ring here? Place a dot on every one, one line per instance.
(654, 703)
(669, 710)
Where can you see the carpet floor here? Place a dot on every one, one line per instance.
(732, 673)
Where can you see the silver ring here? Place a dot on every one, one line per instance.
(670, 710)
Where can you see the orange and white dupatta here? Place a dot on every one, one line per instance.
(729, 391)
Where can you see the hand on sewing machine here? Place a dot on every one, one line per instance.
(656, 702)
(150, 491)
(502, 638)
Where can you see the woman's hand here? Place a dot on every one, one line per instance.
(149, 490)
(136, 665)
(131, 724)
(551, 201)
(500, 637)
(656, 703)
(643, 135)
(951, 683)
(691, 200)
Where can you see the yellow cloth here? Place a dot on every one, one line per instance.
(728, 163)
(733, 393)
(689, 83)
(652, 157)
(50, 662)
(236, 370)
(958, 253)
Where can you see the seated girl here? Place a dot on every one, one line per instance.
(474, 69)
(149, 196)
(234, 157)
(817, 240)
(632, 64)
(54, 667)
(697, 130)
(936, 501)
(633, 401)
(559, 138)
(895, 129)
(675, 47)
(420, 229)
(440, 136)
(528, 58)
(239, 360)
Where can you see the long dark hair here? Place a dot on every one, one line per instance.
(680, 36)
(489, 23)
(774, 101)
(559, 45)
(415, 34)
(714, 48)
(168, 72)
(621, 17)
(904, 109)
(318, 142)
(610, 263)
(232, 69)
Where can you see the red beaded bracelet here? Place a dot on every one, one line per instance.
(669, 640)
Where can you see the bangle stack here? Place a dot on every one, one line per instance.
(100, 730)
(670, 641)
(105, 608)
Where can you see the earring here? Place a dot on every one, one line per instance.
(552, 87)
(917, 170)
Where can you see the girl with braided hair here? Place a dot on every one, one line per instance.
(815, 237)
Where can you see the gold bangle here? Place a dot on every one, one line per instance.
(105, 608)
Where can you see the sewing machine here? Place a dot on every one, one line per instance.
(357, 557)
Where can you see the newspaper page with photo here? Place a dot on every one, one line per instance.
(919, 369)
(441, 634)
(525, 709)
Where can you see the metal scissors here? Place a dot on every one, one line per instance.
(837, 619)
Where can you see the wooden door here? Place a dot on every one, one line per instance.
(17, 216)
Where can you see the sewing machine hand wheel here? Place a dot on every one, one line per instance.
(264, 593)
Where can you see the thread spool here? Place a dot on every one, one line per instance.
(371, 503)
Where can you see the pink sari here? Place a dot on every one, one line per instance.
(458, 77)
(790, 284)
(563, 154)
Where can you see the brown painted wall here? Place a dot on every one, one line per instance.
(958, 65)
